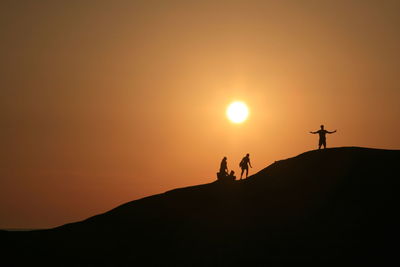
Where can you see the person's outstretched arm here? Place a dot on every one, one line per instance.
(313, 132)
(250, 164)
(331, 132)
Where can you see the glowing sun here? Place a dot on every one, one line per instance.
(237, 112)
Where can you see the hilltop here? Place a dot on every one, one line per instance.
(334, 205)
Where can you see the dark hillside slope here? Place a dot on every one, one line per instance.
(333, 205)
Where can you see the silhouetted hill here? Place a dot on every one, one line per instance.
(336, 205)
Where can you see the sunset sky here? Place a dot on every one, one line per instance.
(104, 102)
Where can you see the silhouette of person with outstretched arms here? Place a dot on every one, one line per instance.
(244, 164)
(322, 136)
(223, 169)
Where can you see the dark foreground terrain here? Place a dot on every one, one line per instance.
(337, 206)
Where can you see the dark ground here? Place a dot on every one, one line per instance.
(336, 206)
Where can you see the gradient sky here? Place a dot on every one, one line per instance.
(104, 102)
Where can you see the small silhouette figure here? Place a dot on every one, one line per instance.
(322, 136)
(223, 169)
(231, 176)
(244, 165)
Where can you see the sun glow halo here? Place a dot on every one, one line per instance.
(237, 112)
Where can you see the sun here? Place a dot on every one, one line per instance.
(237, 112)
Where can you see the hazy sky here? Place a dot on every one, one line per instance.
(104, 102)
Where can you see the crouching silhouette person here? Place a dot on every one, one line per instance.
(223, 169)
(322, 136)
(244, 165)
(231, 176)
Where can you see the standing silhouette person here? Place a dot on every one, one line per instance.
(322, 136)
(223, 169)
(244, 164)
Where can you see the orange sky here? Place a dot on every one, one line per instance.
(109, 101)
